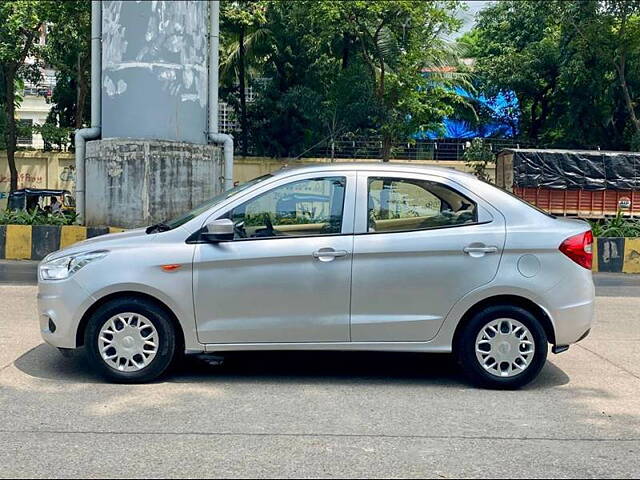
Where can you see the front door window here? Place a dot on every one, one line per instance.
(308, 207)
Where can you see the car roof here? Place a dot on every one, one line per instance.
(373, 166)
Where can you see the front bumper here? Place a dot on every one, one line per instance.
(61, 304)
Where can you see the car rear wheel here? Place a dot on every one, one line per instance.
(130, 341)
(502, 347)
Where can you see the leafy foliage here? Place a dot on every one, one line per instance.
(243, 25)
(36, 217)
(20, 24)
(617, 226)
(335, 67)
(479, 156)
(54, 137)
(68, 51)
(573, 65)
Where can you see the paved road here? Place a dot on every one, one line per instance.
(321, 414)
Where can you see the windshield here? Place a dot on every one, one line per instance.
(177, 222)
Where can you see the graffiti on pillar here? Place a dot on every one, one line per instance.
(174, 47)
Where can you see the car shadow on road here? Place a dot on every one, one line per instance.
(349, 368)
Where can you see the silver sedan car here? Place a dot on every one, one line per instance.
(380, 257)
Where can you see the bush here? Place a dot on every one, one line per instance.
(36, 217)
(617, 226)
(478, 156)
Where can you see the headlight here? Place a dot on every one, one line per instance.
(64, 267)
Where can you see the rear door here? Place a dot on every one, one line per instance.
(421, 243)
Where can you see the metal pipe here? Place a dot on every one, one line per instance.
(84, 134)
(214, 49)
(213, 135)
(96, 63)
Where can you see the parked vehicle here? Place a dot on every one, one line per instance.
(38, 198)
(380, 257)
(585, 183)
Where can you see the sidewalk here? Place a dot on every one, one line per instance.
(18, 272)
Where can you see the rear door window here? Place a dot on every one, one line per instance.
(403, 204)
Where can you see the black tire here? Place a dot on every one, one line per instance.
(465, 348)
(167, 340)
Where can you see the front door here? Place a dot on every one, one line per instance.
(422, 244)
(286, 276)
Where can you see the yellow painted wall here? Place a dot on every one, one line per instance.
(247, 168)
(37, 169)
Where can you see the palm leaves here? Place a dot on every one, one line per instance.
(256, 45)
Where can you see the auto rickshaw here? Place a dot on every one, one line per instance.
(40, 199)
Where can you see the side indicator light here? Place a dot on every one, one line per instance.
(170, 268)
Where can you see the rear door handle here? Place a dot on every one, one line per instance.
(480, 249)
(329, 254)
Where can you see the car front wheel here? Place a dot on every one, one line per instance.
(502, 347)
(130, 341)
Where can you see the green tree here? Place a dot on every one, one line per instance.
(517, 47)
(288, 116)
(573, 65)
(398, 41)
(243, 26)
(348, 102)
(68, 51)
(610, 30)
(21, 22)
(333, 67)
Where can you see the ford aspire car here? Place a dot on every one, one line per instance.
(381, 257)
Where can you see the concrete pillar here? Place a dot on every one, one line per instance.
(135, 183)
(153, 162)
(154, 70)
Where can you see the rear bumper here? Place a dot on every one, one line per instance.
(573, 324)
(572, 312)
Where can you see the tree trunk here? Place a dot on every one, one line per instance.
(82, 96)
(386, 147)
(243, 98)
(382, 86)
(10, 134)
(81, 93)
(622, 78)
(346, 50)
(534, 126)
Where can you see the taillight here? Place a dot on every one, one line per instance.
(579, 248)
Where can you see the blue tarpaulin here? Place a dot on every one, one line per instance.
(504, 109)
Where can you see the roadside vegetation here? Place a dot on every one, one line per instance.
(36, 217)
(617, 226)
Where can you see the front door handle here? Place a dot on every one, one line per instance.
(479, 249)
(328, 254)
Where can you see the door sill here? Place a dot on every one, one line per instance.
(373, 346)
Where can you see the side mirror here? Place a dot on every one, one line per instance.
(221, 230)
